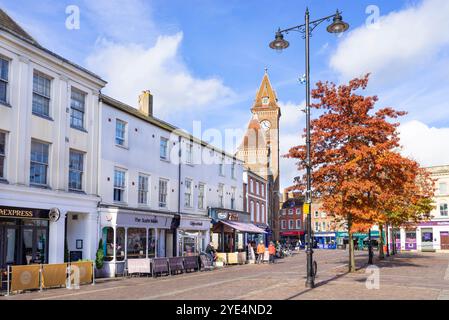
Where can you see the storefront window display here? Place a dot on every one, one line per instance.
(137, 243)
(152, 243)
(108, 243)
(23, 241)
(120, 244)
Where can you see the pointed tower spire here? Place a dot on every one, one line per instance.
(265, 96)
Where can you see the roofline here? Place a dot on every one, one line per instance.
(255, 174)
(55, 55)
(161, 124)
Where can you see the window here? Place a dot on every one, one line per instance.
(143, 189)
(137, 243)
(201, 188)
(233, 198)
(265, 100)
(323, 214)
(316, 214)
(41, 94)
(290, 224)
(258, 212)
(251, 209)
(76, 170)
(163, 149)
(188, 193)
(77, 102)
(262, 187)
(4, 74)
(220, 195)
(119, 185)
(233, 171)
(442, 188)
(39, 163)
(163, 184)
(251, 185)
(263, 213)
(317, 226)
(323, 228)
(257, 187)
(284, 212)
(189, 153)
(2, 153)
(283, 224)
(290, 212)
(443, 209)
(221, 166)
(298, 224)
(120, 132)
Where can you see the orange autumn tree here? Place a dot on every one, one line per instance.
(354, 155)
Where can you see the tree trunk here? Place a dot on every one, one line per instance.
(351, 246)
(381, 242)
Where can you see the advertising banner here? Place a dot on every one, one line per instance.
(25, 277)
(54, 275)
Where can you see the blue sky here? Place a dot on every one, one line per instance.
(203, 60)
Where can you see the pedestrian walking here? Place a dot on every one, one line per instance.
(271, 251)
(260, 251)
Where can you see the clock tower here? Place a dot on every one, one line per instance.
(260, 146)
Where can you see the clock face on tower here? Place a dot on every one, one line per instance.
(265, 124)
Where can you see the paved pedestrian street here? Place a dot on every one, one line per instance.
(405, 276)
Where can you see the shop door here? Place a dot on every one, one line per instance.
(410, 240)
(8, 247)
(444, 240)
(427, 239)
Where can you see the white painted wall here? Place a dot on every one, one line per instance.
(17, 120)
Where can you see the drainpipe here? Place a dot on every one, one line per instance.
(175, 232)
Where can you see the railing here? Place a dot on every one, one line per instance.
(44, 276)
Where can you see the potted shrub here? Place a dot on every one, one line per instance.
(99, 260)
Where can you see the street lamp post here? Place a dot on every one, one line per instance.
(337, 26)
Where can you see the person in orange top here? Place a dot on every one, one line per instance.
(260, 251)
(271, 251)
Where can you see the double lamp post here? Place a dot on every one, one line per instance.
(279, 43)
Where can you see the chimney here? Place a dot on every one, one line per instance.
(146, 103)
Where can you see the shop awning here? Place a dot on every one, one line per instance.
(242, 226)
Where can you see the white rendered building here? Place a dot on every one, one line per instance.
(49, 139)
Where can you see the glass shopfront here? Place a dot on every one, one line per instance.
(23, 239)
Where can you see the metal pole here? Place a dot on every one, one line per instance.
(8, 270)
(370, 248)
(93, 273)
(310, 277)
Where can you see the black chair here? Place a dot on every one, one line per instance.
(159, 266)
(191, 263)
(176, 265)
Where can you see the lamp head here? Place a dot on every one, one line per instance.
(338, 25)
(279, 43)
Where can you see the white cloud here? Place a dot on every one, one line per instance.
(427, 145)
(159, 69)
(404, 39)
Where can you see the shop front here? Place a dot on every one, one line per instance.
(292, 237)
(361, 239)
(128, 234)
(24, 236)
(325, 240)
(433, 235)
(232, 230)
(410, 239)
(193, 234)
(267, 237)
